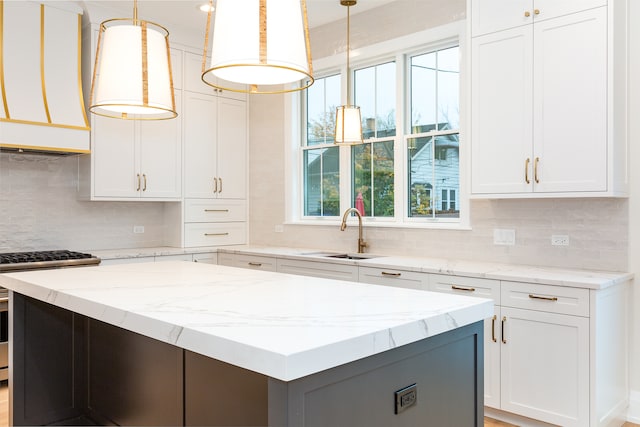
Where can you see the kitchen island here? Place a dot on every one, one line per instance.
(180, 343)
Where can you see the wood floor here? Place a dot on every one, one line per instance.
(4, 412)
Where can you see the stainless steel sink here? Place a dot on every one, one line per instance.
(341, 255)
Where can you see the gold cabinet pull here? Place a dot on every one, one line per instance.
(216, 234)
(463, 288)
(216, 210)
(535, 170)
(255, 264)
(138, 188)
(536, 11)
(504, 320)
(493, 328)
(543, 298)
(386, 273)
(527, 14)
(215, 185)
(220, 179)
(526, 171)
(144, 176)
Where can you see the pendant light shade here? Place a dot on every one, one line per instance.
(348, 117)
(261, 44)
(132, 75)
(348, 125)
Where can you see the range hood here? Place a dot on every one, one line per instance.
(41, 101)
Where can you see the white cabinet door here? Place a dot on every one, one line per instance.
(318, 269)
(488, 16)
(232, 149)
(161, 157)
(200, 145)
(193, 80)
(547, 9)
(570, 103)
(114, 157)
(545, 366)
(502, 106)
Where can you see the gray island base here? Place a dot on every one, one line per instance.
(69, 369)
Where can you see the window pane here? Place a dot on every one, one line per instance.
(434, 184)
(373, 174)
(321, 182)
(375, 94)
(435, 87)
(323, 97)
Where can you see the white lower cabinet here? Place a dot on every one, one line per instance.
(393, 277)
(254, 262)
(318, 269)
(553, 354)
(206, 258)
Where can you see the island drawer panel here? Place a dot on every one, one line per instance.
(215, 234)
(391, 277)
(204, 210)
(470, 286)
(552, 299)
(254, 262)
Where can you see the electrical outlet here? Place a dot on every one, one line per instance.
(279, 228)
(138, 229)
(560, 240)
(504, 237)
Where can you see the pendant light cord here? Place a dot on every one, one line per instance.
(348, 50)
(135, 12)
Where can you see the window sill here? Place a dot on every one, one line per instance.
(368, 223)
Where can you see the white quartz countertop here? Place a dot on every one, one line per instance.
(589, 279)
(279, 325)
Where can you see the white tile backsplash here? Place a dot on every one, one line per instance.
(39, 210)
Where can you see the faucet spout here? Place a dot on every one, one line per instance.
(361, 243)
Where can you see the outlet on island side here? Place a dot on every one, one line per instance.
(504, 237)
(138, 229)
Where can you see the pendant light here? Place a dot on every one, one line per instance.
(348, 118)
(132, 74)
(263, 44)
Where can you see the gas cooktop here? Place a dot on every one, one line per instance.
(20, 261)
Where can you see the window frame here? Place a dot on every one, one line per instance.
(399, 51)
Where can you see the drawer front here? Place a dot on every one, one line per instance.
(552, 299)
(206, 258)
(133, 260)
(197, 210)
(470, 286)
(215, 234)
(318, 269)
(178, 257)
(254, 262)
(391, 277)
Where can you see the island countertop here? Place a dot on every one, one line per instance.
(279, 325)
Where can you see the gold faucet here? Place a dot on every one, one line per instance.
(361, 243)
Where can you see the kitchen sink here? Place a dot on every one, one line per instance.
(341, 255)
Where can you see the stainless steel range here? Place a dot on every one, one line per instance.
(24, 261)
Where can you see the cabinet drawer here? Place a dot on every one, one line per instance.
(215, 234)
(318, 269)
(254, 262)
(553, 299)
(471, 286)
(177, 257)
(197, 210)
(206, 258)
(391, 277)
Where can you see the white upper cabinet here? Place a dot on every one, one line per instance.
(193, 80)
(498, 15)
(542, 103)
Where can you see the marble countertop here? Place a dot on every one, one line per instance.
(589, 279)
(279, 325)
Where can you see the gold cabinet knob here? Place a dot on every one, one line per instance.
(527, 14)
(536, 11)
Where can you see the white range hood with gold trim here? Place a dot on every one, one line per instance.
(41, 101)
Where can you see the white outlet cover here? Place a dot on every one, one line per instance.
(504, 237)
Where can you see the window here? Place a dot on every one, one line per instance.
(321, 163)
(433, 147)
(373, 166)
(407, 171)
